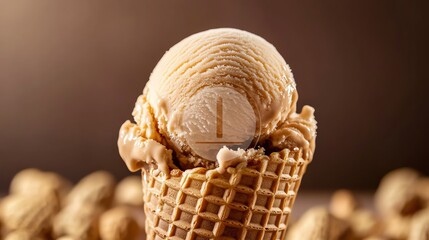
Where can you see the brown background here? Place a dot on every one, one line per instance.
(70, 72)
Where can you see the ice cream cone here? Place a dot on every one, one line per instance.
(245, 202)
(213, 104)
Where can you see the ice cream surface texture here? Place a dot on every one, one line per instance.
(221, 72)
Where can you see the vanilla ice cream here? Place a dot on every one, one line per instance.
(221, 72)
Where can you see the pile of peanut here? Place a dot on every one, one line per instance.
(401, 212)
(44, 205)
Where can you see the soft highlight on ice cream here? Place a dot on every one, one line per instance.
(180, 104)
(216, 117)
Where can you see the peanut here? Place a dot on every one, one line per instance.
(318, 223)
(118, 224)
(363, 223)
(30, 213)
(129, 192)
(343, 204)
(396, 194)
(95, 189)
(397, 227)
(22, 235)
(32, 181)
(79, 221)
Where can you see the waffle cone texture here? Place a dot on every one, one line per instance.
(245, 202)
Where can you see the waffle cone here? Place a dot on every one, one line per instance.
(245, 202)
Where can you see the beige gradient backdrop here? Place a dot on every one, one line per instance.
(70, 72)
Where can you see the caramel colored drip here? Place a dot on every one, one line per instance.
(136, 151)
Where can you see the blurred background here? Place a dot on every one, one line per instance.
(70, 72)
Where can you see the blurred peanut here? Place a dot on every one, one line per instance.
(118, 224)
(79, 221)
(34, 182)
(21, 235)
(396, 193)
(318, 223)
(33, 214)
(396, 227)
(129, 192)
(363, 223)
(343, 204)
(95, 189)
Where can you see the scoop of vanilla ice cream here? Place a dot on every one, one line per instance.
(203, 67)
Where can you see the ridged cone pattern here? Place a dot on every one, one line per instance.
(252, 202)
